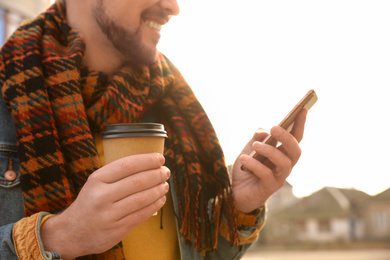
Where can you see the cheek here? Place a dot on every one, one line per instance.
(122, 13)
(128, 13)
(127, 20)
(127, 8)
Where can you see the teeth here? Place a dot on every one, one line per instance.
(153, 25)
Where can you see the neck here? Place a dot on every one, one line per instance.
(100, 55)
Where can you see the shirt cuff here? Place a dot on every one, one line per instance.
(254, 218)
(249, 226)
(27, 240)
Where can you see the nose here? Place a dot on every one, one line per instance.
(171, 6)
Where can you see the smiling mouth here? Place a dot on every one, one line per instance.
(153, 25)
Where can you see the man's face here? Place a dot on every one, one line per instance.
(133, 26)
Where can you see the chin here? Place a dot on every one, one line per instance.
(148, 59)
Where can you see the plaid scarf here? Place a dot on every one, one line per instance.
(58, 105)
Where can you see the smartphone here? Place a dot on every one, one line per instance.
(287, 123)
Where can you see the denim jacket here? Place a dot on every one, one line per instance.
(11, 201)
(11, 204)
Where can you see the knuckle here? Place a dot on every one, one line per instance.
(136, 181)
(139, 216)
(287, 164)
(142, 200)
(299, 153)
(98, 200)
(260, 134)
(127, 163)
(93, 177)
(268, 172)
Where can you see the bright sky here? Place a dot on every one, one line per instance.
(250, 61)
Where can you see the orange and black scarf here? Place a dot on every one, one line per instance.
(58, 105)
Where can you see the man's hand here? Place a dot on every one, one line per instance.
(253, 186)
(115, 199)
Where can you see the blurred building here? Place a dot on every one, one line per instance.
(282, 199)
(15, 12)
(330, 215)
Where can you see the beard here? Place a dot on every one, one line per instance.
(128, 43)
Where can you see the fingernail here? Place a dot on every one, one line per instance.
(167, 173)
(257, 145)
(166, 187)
(161, 159)
(243, 158)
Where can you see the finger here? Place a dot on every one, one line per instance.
(136, 218)
(289, 146)
(299, 125)
(259, 135)
(267, 179)
(129, 165)
(140, 200)
(138, 182)
(282, 163)
(254, 166)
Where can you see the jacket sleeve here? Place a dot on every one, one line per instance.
(7, 249)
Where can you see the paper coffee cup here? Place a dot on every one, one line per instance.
(121, 140)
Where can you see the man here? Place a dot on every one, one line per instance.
(86, 64)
